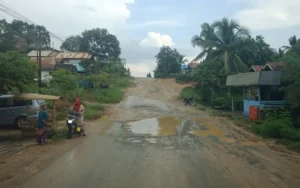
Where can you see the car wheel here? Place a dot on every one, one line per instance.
(20, 121)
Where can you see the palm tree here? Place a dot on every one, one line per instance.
(205, 40)
(281, 53)
(292, 41)
(221, 41)
(228, 34)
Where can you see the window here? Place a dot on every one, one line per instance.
(22, 102)
(6, 102)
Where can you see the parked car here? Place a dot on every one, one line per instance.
(14, 111)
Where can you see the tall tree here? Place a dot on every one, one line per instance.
(292, 41)
(255, 51)
(72, 44)
(223, 43)
(168, 62)
(33, 34)
(98, 42)
(205, 40)
(16, 71)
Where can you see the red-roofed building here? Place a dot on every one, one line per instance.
(256, 68)
(193, 65)
(274, 66)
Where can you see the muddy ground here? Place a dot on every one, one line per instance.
(152, 140)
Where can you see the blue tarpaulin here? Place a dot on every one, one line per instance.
(77, 64)
(184, 67)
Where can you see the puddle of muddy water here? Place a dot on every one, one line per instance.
(164, 126)
(213, 130)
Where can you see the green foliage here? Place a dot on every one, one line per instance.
(187, 92)
(17, 30)
(110, 95)
(93, 111)
(16, 71)
(168, 62)
(98, 42)
(59, 134)
(278, 124)
(255, 51)
(221, 41)
(149, 75)
(65, 84)
(185, 78)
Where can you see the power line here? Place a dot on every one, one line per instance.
(8, 10)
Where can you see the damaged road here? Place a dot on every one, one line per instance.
(152, 140)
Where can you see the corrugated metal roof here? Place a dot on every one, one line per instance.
(275, 66)
(193, 65)
(254, 78)
(47, 63)
(73, 55)
(256, 68)
(33, 53)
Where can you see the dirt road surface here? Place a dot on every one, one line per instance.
(152, 140)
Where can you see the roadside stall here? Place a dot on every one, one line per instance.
(28, 127)
(261, 91)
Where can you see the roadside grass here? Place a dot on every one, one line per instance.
(109, 95)
(188, 92)
(59, 134)
(93, 111)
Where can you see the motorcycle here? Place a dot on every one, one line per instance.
(72, 125)
(190, 100)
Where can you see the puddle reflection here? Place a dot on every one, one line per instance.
(213, 130)
(163, 126)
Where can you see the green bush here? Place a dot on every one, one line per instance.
(110, 95)
(93, 111)
(184, 79)
(278, 124)
(187, 92)
(121, 82)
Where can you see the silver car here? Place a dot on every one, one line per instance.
(14, 111)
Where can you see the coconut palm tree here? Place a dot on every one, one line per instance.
(292, 41)
(221, 41)
(228, 33)
(205, 40)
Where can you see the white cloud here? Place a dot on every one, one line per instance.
(142, 69)
(269, 14)
(154, 39)
(162, 23)
(67, 17)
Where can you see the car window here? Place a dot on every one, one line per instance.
(6, 102)
(2, 102)
(22, 102)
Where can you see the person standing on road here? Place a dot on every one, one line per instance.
(78, 107)
(42, 125)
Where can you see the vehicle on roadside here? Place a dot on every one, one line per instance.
(14, 112)
(72, 127)
(190, 101)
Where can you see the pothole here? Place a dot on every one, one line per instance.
(136, 102)
(163, 126)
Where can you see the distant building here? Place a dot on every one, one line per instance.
(256, 68)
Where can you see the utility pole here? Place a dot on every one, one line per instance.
(39, 57)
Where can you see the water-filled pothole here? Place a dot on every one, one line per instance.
(163, 126)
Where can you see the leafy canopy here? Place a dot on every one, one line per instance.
(98, 42)
(17, 71)
(168, 62)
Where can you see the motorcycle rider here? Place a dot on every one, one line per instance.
(79, 108)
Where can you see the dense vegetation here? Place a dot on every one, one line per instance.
(228, 48)
(19, 74)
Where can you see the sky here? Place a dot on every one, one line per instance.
(143, 26)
